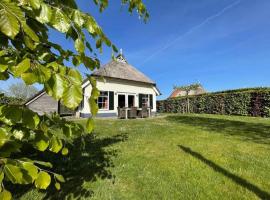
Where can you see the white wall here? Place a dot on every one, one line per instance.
(119, 86)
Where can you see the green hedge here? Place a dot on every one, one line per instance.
(10, 100)
(247, 102)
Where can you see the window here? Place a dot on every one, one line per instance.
(103, 100)
(145, 100)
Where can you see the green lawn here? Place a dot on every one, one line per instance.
(169, 157)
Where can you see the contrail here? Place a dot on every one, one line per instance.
(194, 28)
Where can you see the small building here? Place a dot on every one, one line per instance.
(120, 85)
(181, 93)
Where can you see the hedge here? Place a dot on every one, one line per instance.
(246, 102)
(10, 100)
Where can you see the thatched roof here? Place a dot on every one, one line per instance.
(120, 69)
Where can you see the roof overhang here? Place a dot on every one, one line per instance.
(86, 82)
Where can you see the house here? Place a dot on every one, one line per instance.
(177, 92)
(120, 85)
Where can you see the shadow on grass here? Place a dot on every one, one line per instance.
(256, 132)
(238, 180)
(89, 159)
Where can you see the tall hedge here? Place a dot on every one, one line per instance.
(246, 102)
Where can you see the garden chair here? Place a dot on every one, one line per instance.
(132, 113)
(121, 113)
(144, 112)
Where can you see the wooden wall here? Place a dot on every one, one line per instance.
(44, 104)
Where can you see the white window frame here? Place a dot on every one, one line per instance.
(108, 105)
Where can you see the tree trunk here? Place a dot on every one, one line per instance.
(187, 106)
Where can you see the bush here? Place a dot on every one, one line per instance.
(10, 100)
(245, 102)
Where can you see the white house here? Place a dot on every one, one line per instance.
(120, 85)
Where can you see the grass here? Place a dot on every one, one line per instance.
(168, 157)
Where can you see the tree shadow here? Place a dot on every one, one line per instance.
(256, 132)
(238, 180)
(89, 159)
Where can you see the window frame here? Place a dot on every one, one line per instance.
(108, 101)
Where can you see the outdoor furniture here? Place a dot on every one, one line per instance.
(122, 113)
(144, 112)
(132, 112)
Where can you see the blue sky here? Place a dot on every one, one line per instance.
(223, 44)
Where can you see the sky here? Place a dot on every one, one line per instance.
(222, 44)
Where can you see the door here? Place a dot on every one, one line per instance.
(121, 100)
(131, 101)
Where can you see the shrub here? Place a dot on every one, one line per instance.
(245, 102)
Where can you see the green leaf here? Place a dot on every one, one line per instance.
(76, 60)
(95, 93)
(12, 113)
(38, 73)
(79, 46)
(43, 180)
(4, 75)
(5, 195)
(55, 145)
(30, 172)
(3, 68)
(9, 24)
(45, 14)
(57, 186)
(21, 67)
(89, 63)
(78, 18)
(114, 48)
(89, 26)
(75, 76)
(30, 119)
(90, 125)
(13, 173)
(106, 40)
(41, 141)
(29, 42)
(30, 32)
(72, 96)
(56, 86)
(64, 151)
(1, 178)
(98, 43)
(46, 164)
(60, 21)
(35, 4)
(60, 178)
(89, 46)
(29, 78)
(3, 136)
(93, 106)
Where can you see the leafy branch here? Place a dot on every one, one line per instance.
(27, 53)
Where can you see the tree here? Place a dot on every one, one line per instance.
(21, 91)
(187, 89)
(27, 53)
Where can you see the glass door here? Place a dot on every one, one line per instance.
(131, 101)
(121, 100)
